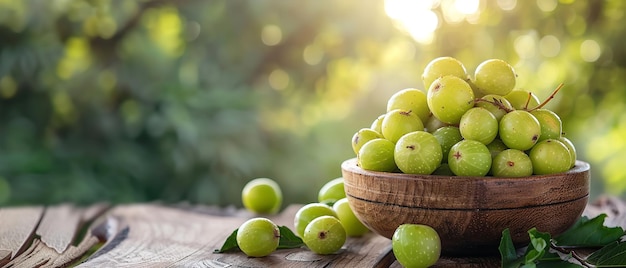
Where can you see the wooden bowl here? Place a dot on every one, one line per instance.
(469, 213)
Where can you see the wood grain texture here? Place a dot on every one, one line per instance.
(5, 256)
(147, 235)
(466, 262)
(150, 235)
(156, 236)
(41, 256)
(470, 193)
(469, 213)
(93, 211)
(17, 226)
(57, 229)
(59, 225)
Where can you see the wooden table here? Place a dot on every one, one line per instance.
(158, 235)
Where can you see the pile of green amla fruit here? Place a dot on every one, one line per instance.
(466, 126)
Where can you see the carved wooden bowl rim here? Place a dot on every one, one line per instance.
(464, 192)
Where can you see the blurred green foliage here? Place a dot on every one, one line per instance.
(131, 101)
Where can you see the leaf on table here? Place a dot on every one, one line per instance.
(589, 233)
(557, 264)
(229, 244)
(537, 253)
(287, 240)
(538, 246)
(611, 255)
(554, 260)
(507, 250)
(553, 256)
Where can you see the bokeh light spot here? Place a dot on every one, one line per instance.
(76, 59)
(63, 106)
(507, 4)
(312, 54)
(165, 29)
(549, 46)
(271, 35)
(525, 46)
(450, 13)
(278, 79)
(590, 50)
(547, 5)
(8, 87)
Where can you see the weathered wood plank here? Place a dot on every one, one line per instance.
(57, 230)
(147, 235)
(5, 256)
(150, 235)
(59, 225)
(465, 262)
(91, 212)
(42, 256)
(17, 226)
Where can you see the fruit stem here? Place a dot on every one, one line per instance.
(497, 103)
(530, 95)
(547, 100)
(406, 112)
(582, 261)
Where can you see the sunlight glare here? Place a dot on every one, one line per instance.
(466, 7)
(414, 17)
(455, 11)
(400, 9)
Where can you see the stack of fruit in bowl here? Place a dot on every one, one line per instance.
(466, 126)
(470, 157)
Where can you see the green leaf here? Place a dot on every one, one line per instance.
(538, 243)
(532, 255)
(556, 264)
(611, 255)
(554, 260)
(287, 240)
(553, 256)
(229, 244)
(584, 233)
(507, 250)
(589, 233)
(538, 246)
